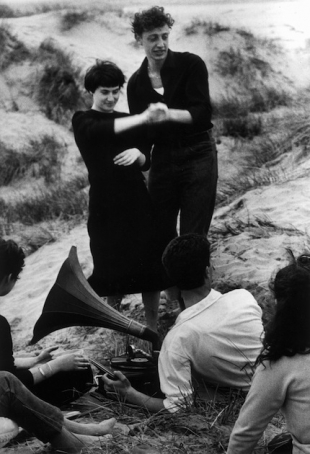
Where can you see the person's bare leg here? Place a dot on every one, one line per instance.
(151, 303)
(102, 428)
(174, 294)
(115, 301)
(70, 443)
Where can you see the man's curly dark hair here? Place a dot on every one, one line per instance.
(149, 19)
(185, 260)
(12, 259)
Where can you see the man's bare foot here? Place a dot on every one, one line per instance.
(103, 428)
(71, 443)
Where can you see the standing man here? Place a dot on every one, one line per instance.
(183, 173)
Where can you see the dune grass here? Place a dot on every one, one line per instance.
(29, 8)
(59, 85)
(12, 49)
(6, 11)
(73, 18)
(62, 201)
(209, 28)
(257, 227)
(41, 158)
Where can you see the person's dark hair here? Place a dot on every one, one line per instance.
(185, 260)
(288, 332)
(103, 74)
(149, 19)
(12, 259)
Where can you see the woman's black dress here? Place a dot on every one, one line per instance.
(121, 224)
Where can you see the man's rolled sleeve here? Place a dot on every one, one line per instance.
(175, 379)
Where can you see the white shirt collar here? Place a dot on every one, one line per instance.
(192, 311)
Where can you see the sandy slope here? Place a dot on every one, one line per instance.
(264, 221)
(287, 203)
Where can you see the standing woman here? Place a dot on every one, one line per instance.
(281, 380)
(123, 244)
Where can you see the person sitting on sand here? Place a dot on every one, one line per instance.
(45, 421)
(217, 336)
(281, 380)
(55, 380)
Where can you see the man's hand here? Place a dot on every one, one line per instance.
(121, 386)
(127, 157)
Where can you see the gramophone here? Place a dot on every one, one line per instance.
(72, 302)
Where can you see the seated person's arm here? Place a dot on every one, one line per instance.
(175, 377)
(175, 383)
(266, 396)
(123, 388)
(28, 362)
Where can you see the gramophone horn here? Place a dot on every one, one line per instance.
(72, 302)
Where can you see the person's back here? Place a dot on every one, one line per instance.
(281, 380)
(219, 338)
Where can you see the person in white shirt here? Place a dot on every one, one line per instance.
(217, 336)
(281, 380)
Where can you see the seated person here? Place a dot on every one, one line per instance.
(216, 336)
(46, 422)
(55, 380)
(281, 381)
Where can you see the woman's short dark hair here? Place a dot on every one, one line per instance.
(103, 74)
(149, 19)
(185, 260)
(288, 332)
(12, 259)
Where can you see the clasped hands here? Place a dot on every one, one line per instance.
(157, 113)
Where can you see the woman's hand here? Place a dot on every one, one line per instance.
(127, 157)
(45, 355)
(121, 386)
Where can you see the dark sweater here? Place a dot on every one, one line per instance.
(6, 354)
(185, 81)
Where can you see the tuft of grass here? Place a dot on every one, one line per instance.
(267, 98)
(235, 63)
(252, 42)
(6, 11)
(235, 112)
(41, 158)
(72, 19)
(251, 179)
(209, 28)
(12, 50)
(47, 152)
(29, 9)
(65, 201)
(253, 226)
(59, 89)
(243, 126)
